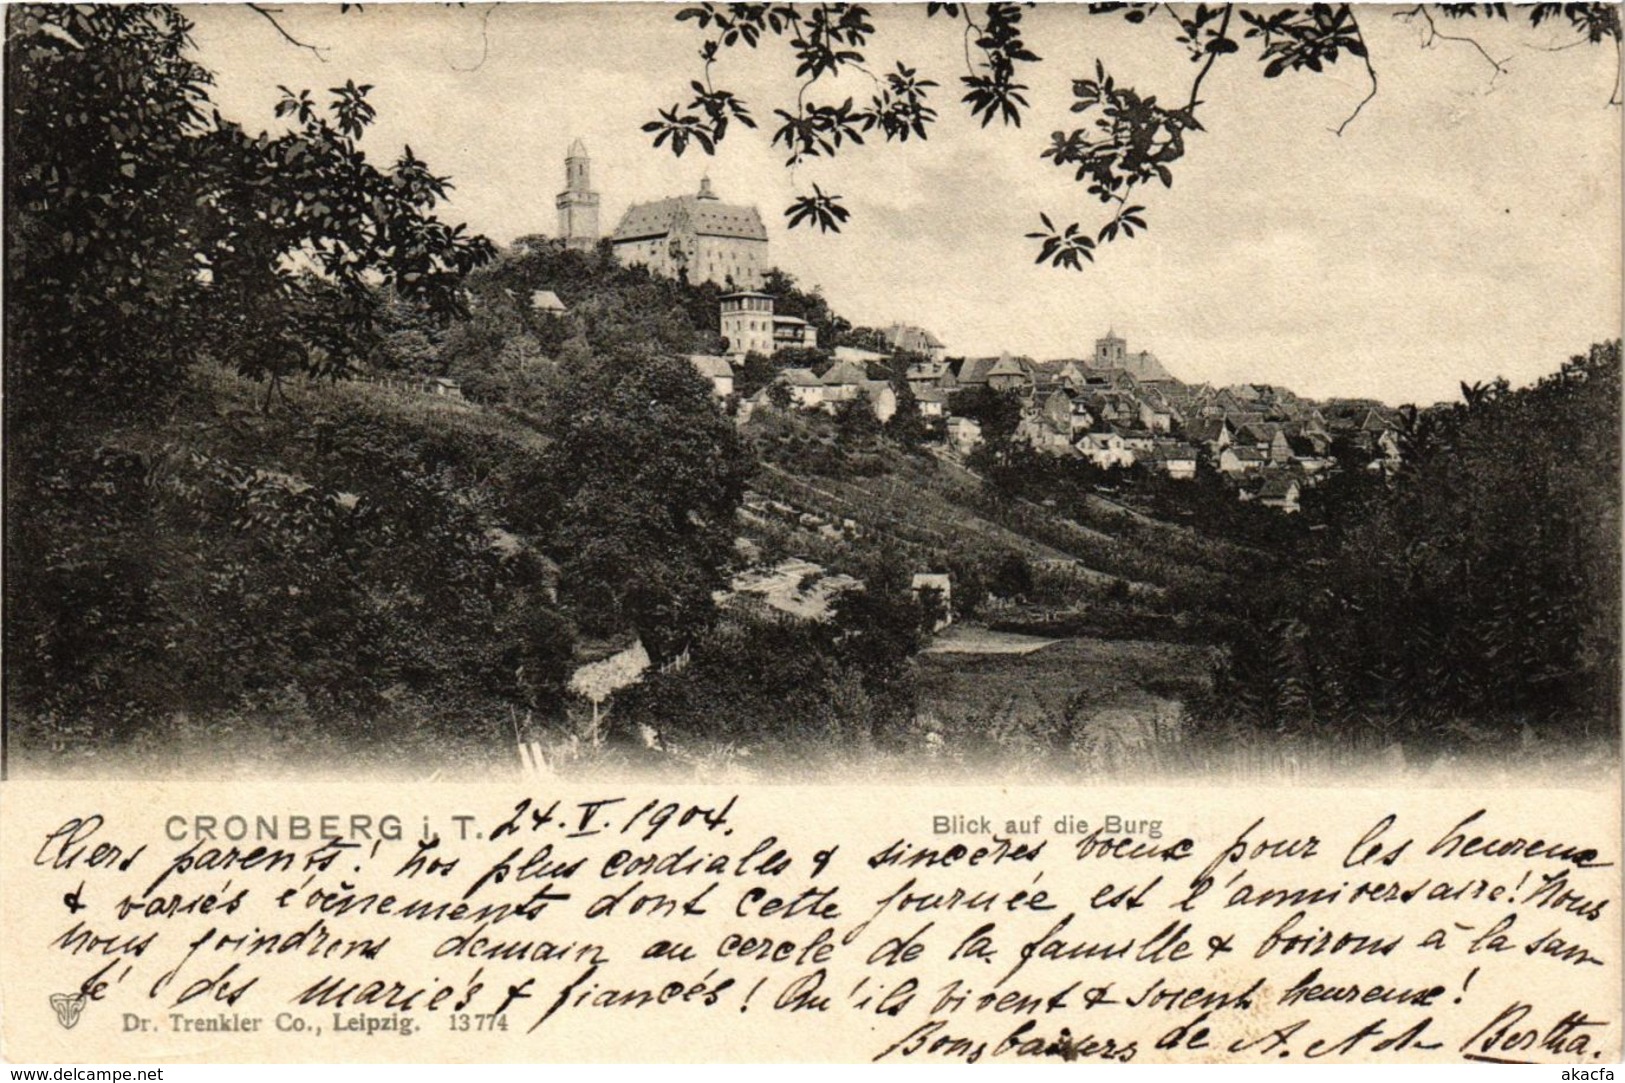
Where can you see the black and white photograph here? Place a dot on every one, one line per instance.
(795, 534)
(786, 392)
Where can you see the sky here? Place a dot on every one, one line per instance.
(1465, 226)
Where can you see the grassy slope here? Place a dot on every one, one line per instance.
(933, 507)
(936, 511)
(219, 418)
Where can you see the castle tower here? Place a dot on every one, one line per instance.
(578, 203)
(1110, 352)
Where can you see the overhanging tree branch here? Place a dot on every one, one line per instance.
(1433, 35)
(1212, 58)
(1369, 70)
(270, 14)
(485, 42)
(1123, 139)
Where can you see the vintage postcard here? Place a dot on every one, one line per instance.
(833, 533)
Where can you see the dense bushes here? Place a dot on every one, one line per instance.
(370, 546)
(759, 678)
(1481, 586)
(178, 570)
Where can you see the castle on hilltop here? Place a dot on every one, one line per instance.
(712, 241)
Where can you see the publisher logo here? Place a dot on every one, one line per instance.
(67, 1007)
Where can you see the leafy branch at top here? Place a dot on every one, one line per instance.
(994, 92)
(824, 40)
(1127, 137)
(269, 14)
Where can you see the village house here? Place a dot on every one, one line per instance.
(1387, 449)
(1105, 449)
(1303, 436)
(1007, 374)
(1082, 419)
(717, 370)
(968, 373)
(843, 381)
(1186, 399)
(1115, 407)
(1312, 465)
(1155, 413)
(1139, 441)
(1067, 374)
(1240, 458)
(793, 332)
(964, 434)
(1176, 460)
(806, 389)
(933, 401)
(1268, 437)
(906, 338)
(925, 374)
(882, 399)
(1057, 410)
(1280, 492)
(1042, 434)
(1212, 432)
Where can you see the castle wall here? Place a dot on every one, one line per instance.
(718, 258)
(715, 259)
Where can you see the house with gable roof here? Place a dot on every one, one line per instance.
(806, 389)
(1008, 374)
(1240, 459)
(843, 381)
(1105, 448)
(717, 370)
(910, 339)
(1280, 491)
(1177, 460)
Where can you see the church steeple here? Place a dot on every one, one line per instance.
(705, 188)
(578, 203)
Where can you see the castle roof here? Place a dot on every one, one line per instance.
(707, 215)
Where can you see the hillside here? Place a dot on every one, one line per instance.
(348, 580)
(404, 571)
(943, 516)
